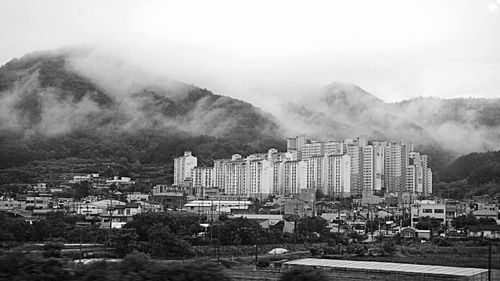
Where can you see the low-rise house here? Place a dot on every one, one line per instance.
(137, 196)
(211, 207)
(119, 181)
(423, 234)
(485, 231)
(272, 219)
(300, 208)
(63, 203)
(9, 204)
(95, 208)
(485, 214)
(171, 200)
(410, 232)
(119, 214)
(150, 206)
(282, 226)
(428, 208)
(40, 187)
(39, 203)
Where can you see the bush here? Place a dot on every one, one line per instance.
(315, 251)
(389, 247)
(442, 242)
(303, 274)
(52, 249)
(263, 263)
(331, 251)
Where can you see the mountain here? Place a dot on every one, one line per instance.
(78, 103)
(474, 174)
(475, 168)
(443, 128)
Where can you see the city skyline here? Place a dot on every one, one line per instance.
(349, 167)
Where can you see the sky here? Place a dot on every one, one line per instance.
(256, 49)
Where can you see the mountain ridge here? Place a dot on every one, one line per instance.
(49, 110)
(66, 94)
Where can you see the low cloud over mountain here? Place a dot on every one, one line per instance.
(50, 93)
(49, 96)
(344, 110)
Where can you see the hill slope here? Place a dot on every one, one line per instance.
(73, 103)
(83, 104)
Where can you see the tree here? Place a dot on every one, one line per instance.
(487, 221)
(428, 223)
(371, 226)
(240, 231)
(124, 241)
(309, 225)
(463, 221)
(163, 243)
(319, 194)
(82, 189)
(303, 274)
(389, 247)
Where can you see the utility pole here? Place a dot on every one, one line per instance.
(80, 245)
(256, 254)
(218, 243)
(489, 262)
(338, 222)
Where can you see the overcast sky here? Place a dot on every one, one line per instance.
(247, 49)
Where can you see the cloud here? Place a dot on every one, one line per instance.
(141, 100)
(492, 7)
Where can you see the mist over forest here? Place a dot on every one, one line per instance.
(86, 103)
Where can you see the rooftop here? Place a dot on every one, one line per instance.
(389, 266)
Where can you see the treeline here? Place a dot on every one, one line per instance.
(130, 150)
(166, 235)
(56, 227)
(145, 147)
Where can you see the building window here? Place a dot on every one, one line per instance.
(438, 211)
(427, 211)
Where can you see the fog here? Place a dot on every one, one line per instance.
(248, 49)
(280, 56)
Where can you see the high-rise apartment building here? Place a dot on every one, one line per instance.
(203, 177)
(396, 161)
(337, 175)
(183, 167)
(368, 169)
(418, 175)
(315, 172)
(338, 168)
(356, 155)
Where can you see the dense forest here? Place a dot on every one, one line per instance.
(52, 112)
(474, 174)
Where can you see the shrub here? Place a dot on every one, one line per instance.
(389, 247)
(442, 242)
(303, 274)
(263, 263)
